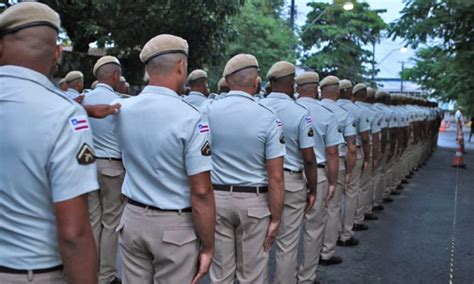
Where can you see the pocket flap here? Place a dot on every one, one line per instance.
(111, 172)
(121, 224)
(179, 237)
(259, 213)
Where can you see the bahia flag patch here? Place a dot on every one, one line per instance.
(79, 123)
(203, 128)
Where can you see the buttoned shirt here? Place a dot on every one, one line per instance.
(297, 127)
(245, 134)
(164, 140)
(103, 129)
(43, 136)
(326, 127)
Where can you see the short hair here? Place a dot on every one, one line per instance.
(243, 78)
(197, 82)
(107, 70)
(163, 64)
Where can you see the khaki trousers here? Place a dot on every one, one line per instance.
(105, 209)
(55, 277)
(364, 200)
(333, 219)
(157, 247)
(380, 182)
(313, 232)
(290, 228)
(351, 197)
(241, 226)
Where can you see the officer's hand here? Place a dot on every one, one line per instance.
(101, 111)
(272, 233)
(79, 99)
(204, 262)
(331, 192)
(347, 181)
(310, 200)
(365, 165)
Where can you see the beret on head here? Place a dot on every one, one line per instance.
(370, 92)
(238, 63)
(122, 79)
(197, 74)
(163, 44)
(62, 81)
(359, 87)
(26, 15)
(73, 75)
(307, 78)
(345, 84)
(222, 83)
(280, 69)
(103, 61)
(329, 81)
(380, 94)
(94, 84)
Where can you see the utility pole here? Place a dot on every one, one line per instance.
(373, 61)
(292, 15)
(401, 77)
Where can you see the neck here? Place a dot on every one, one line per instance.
(306, 95)
(250, 91)
(283, 91)
(108, 82)
(159, 82)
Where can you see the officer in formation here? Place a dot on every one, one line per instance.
(223, 88)
(62, 84)
(123, 86)
(276, 166)
(199, 90)
(75, 82)
(300, 193)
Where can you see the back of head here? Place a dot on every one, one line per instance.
(222, 86)
(282, 77)
(330, 87)
(345, 89)
(108, 70)
(307, 84)
(197, 81)
(370, 95)
(28, 34)
(241, 73)
(360, 92)
(75, 80)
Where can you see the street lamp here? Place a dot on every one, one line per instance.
(347, 6)
(402, 50)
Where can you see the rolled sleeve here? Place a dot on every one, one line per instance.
(349, 126)
(364, 121)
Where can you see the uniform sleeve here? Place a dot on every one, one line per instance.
(376, 123)
(71, 166)
(392, 120)
(197, 151)
(275, 143)
(333, 136)
(364, 120)
(349, 126)
(306, 132)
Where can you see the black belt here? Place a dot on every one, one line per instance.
(113, 159)
(293, 172)
(321, 166)
(4, 269)
(235, 188)
(139, 204)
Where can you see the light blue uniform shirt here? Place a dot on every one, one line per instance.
(297, 127)
(42, 132)
(163, 140)
(72, 93)
(361, 118)
(376, 117)
(326, 126)
(245, 134)
(195, 98)
(103, 129)
(346, 122)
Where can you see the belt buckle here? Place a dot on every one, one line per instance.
(258, 190)
(231, 190)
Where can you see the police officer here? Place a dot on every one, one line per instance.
(47, 161)
(247, 162)
(223, 88)
(122, 86)
(347, 154)
(327, 138)
(167, 228)
(75, 82)
(62, 84)
(299, 141)
(105, 205)
(199, 90)
(353, 191)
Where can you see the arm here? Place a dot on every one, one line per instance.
(101, 111)
(311, 172)
(204, 217)
(332, 164)
(276, 196)
(351, 157)
(75, 240)
(375, 150)
(392, 142)
(364, 137)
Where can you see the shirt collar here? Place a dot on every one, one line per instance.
(71, 90)
(194, 93)
(103, 85)
(235, 93)
(277, 95)
(161, 91)
(329, 101)
(27, 74)
(307, 99)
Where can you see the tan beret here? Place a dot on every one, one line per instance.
(370, 92)
(197, 74)
(73, 75)
(122, 79)
(62, 81)
(259, 79)
(359, 87)
(307, 78)
(103, 61)
(94, 84)
(26, 15)
(163, 44)
(345, 84)
(380, 94)
(238, 63)
(222, 83)
(280, 69)
(329, 81)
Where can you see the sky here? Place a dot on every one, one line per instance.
(391, 66)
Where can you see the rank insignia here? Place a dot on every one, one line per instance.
(86, 155)
(206, 149)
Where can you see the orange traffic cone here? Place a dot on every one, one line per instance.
(458, 161)
(442, 127)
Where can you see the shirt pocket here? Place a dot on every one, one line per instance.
(179, 237)
(258, 213)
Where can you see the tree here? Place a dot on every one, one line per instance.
(444, 66)
(334, 40)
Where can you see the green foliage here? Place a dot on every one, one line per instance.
(339, 37)
(445, 66)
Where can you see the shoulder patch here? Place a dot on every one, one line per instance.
(206, 149)
(86, 155)
(310, 132)
(282, 139)
(79, 123)
(203, 127)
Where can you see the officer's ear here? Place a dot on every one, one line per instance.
(58, 54)
(1, 50)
